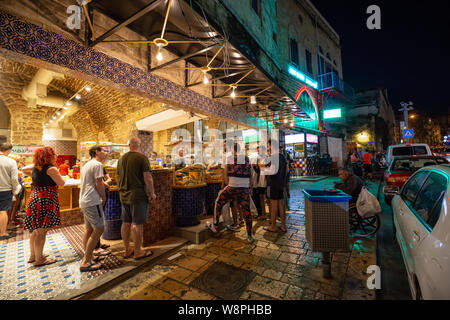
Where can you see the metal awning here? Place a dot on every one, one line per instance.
(188, 35)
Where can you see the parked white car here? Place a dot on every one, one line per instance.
(422, 224)
(410, 149)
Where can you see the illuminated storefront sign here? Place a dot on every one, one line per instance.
(300, 76)
(294, 138)
(334, 113)
(312, 138)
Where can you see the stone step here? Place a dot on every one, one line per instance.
(199, 233)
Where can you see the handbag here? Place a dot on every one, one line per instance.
(367, 204)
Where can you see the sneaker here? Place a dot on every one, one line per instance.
(250, 239)
(233, 228)
(211, 226)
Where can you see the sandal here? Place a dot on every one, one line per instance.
(99, 258)
(267, 229)
(147, 253)
(102, 253)
(45, 257)
(45, 263)
(91, 267)
(125, 256)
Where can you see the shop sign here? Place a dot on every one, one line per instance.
(24, 150)
(302, 77)
(312, 138)
(333, 113)
(295, 138)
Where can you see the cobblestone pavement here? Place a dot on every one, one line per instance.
(285, 266)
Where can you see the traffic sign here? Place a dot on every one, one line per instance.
(408, 133)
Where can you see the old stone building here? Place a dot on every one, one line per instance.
(371, 121)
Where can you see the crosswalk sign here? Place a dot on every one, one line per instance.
(408, 133)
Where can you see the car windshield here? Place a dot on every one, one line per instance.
(412, 165)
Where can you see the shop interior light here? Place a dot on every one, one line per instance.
(69, 103)
(58, 113)
(253, 99)
(205, 78)
(285, 120)
(292, 124)
(88, 88)
(233, 93)
(51, 120)
(65, 108)
(159, 55)
(77, 96)
(54, 117)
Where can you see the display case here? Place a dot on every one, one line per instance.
(191, 176)
(214, 174)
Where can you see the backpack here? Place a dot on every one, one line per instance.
(367, 205)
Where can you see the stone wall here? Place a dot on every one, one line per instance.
(26, 123)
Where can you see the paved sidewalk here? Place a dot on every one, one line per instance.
(285, 267)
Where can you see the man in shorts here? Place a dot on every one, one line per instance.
(9, 185)
(135, 190)
(92, 199)
(276, 182)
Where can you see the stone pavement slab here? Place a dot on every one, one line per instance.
(285, 266)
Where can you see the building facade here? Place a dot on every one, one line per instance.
(371, 121)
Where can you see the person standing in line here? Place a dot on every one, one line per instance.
(136, 190)
(92, 199)
(275, 190)
(238, 188)
(9, 186)
(259, 186)
(43, 205)
(367, 159)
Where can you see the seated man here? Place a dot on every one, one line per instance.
(351, 184)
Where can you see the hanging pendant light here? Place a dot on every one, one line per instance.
(205, 78)
(233, 93)
(253, 99)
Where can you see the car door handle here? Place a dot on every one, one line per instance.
(416, 236)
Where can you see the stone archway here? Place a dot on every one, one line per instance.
(5, 123)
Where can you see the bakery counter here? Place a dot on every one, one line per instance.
(160, 222)
(188, 204)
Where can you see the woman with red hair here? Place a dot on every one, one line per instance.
(43, 205)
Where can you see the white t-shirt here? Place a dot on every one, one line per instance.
(89, 195)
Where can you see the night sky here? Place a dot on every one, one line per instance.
(410, 55)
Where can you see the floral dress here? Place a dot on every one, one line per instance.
(43, 204)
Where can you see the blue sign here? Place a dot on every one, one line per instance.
(408, 133)
(302, 77)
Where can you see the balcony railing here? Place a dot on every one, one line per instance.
(331, 80)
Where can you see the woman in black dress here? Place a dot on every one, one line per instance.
(43, 205)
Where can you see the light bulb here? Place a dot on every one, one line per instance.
(54, 117)
(88, 88)
(253, 100)
(51, 120)
(233, 94)
(205, 78)
(292, 124)
(58, 113)
(69, 103)
(159, 56)
(78, 97)
(65, 108)
(285, 120)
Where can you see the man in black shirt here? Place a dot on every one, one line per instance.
(276, 182)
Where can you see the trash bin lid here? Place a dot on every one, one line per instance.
(332, 195)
